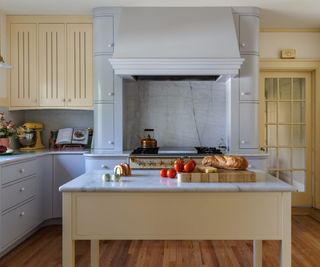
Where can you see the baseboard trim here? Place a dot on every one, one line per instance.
(312, 212)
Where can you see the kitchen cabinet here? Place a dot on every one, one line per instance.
(20, 201)
(103, 79)
(52, 62)
(249, 122)
(103, 32)
(248, 32)
(65, 168)
(103, 162)
(104, 126)
(249, 75)
(23, 51)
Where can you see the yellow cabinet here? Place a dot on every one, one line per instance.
(79, 65)
(52, 62)
(52, 50)
(23, 82)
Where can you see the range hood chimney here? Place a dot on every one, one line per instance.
(176, 41)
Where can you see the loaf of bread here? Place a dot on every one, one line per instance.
(226, 162)
(122, 169)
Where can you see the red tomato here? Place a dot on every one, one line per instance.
(163, 172)
(171, 173)
(188, 167)
(178, 167)
(193, 161)
(179, 161)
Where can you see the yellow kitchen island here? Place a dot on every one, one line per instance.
(145, 206)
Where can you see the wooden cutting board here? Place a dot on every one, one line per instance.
(221, 176)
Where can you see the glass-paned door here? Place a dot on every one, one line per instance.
(286, 130)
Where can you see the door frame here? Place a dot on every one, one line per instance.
(312, 66)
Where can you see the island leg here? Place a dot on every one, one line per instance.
(94, 253)
(68, 244)
(257, 253)
(285, 252)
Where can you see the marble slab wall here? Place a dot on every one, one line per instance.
(183, 113)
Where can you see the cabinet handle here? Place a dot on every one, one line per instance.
(243, 45)
(110, 142)
(111, 94)
(64, 100)
(21, 214)
(21, 170)
(245, 93)
(21, 189)
(110, 45)
(249, 166)
(103, 166)
(69, 99)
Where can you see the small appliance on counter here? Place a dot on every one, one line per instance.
(29, 136)
(148, 141)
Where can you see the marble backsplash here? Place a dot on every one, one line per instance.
(183, 113)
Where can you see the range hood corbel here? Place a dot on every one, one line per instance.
(176, 41)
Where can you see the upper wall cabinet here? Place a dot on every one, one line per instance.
(52, 62)
(248, 32)
(104, 35)
(24, 61)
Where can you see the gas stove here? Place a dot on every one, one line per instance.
(164, 157)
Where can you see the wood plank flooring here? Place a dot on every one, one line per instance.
(43, 249)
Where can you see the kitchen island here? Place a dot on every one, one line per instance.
(145, 206)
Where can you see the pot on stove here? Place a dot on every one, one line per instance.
(148, 141)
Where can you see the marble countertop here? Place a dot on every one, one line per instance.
(150, 181)
(20, 155)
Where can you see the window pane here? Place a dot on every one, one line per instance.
(271, 112)
(284, 112)
(299, 180)
(284, 158)
(298, 158)
(298, 90)
(272, 159)
(271, 88)
(284, 135)
(298, 112)
(286, 176)
(285, 88)
(298, 135)
(271, 135)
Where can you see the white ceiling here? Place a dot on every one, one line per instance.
(274, 13)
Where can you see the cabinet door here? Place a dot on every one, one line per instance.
(65, 168)
(103, 34)
(104, 126)
(249, 34)
(103, 81)
(79, 65)
(249, 78)
(24, 86)
(249, 125)
(52, 65)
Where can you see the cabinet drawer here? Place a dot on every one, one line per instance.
(16, 193)
(18, 222)
(103, 34)
(17, 171)
(103, 163)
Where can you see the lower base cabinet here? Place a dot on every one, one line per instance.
(65, 168)
(103, 162)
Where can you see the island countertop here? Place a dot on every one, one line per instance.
(150, 181)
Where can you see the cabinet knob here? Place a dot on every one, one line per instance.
(110, 142)
(245, 93)
(21, 189)
(110, 45)
(111, 94)
(21, 170)
(64, 100)
(103, 166)
(243, 141)
(69, 99)
(243, 45)
(21, 214)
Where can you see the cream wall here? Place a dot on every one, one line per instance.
(307, 44)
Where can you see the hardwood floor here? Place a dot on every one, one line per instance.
(43, 249)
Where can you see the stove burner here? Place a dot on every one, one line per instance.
(141, 150)
(207, 150)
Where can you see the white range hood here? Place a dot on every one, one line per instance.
(176, 41)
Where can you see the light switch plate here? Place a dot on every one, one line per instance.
(288, 53)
